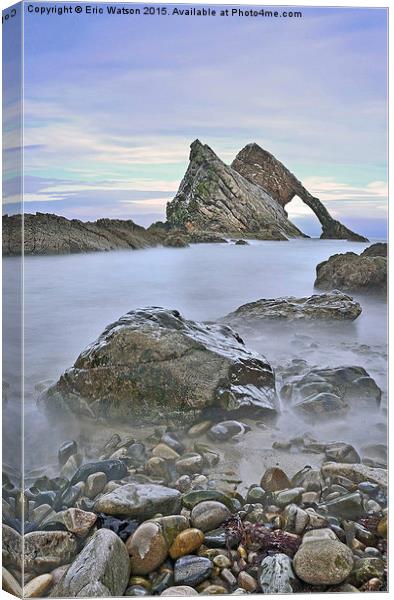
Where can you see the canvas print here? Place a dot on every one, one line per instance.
(194, 300)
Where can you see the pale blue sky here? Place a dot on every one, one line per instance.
(113, 103)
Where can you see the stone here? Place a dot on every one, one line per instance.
(147, 548)
(10, 584)
(351, 272)
(247, 582)
(46, 550)
(165, 452)
(383, 526)
(190, 463)
(37, 587)
(139, 500)
(171, 439)
(285, 497)
(79, 521)
(136, 590)
(295, 520)
(226, 430)
(274, 480)
(323, 562)
(66, 450)
(214, 590)
(239, 206)
(276, 575)
(58, 573)
(95, 484)
(114, 469)
(192, 570)
(171, 526)
(101, 569)
(366, 569)
(70, 467)
(262, 168)
(180, 590)
(191, 499)
(199, 429)
(221, 561)
(201, 365)
(342, 453)
(241, 243)
(209, 515)
(186, 542)
(333, 305)
(356, 473)
(348, 506)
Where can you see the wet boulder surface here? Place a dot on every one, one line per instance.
(333, 305)
(331, 391)
(153, 361)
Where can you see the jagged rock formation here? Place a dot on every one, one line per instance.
(152, 363)
(379, 249)
(214, 197)
(359, 273)
(263, 169)
(330, 306)
(51, 234)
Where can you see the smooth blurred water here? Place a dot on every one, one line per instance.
(70, 299)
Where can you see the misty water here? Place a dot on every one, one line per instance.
(70, 299)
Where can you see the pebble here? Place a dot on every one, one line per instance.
(214, 590)
(288, 496)
(274, 480)
(180, 590)
(192, 570)
(323, 561)
(10, 584)
(276, 575)
(165, 452)
(247, 582)
(46, 550)
(136, 590)
(191, 499)
(37, 587)
(79, 521)
(366, 569)
(342, 453)
(171, 440)
(199, 429)
(295, 520)
(228, 578)
(189, 464)
(226, 430)
(66, 450)
(95, 484)
(186, 542)
(147, 548)
(209, 515)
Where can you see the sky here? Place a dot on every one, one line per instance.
(112, 104)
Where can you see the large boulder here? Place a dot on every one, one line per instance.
(153, 362)
(353, 272)
(214, 197)
(333, 305)
(331, 391)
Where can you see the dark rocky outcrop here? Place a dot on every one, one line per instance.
(214, 197)
(153, 362)
(359, 273)
(379, 249)
(263, 169)
(51, 234)
(332, 305)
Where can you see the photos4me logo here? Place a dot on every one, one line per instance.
(8, 14)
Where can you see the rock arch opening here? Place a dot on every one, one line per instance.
(303, 217)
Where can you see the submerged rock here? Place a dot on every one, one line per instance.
(325, 391)
(139, 500)
(364, 273)
(333, 305)
(192, 570)
(357, 473)
(101, 569)
(181, 366)
(147, 548)
(46, 550)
